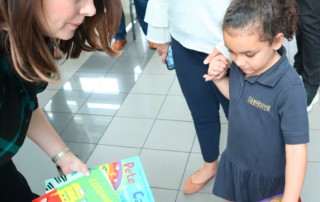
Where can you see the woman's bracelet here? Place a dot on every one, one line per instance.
(60, 154)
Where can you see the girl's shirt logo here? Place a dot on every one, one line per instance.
(259, 104)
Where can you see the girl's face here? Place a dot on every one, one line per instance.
(250, 54)
(60, 18)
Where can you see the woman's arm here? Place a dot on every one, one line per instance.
(42, 133)
(296, 166)
(159, 26)
(158, 21)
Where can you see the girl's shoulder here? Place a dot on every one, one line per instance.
(291, 77)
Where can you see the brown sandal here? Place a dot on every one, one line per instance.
(190, 187)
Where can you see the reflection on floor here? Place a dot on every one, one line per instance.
(108, 109)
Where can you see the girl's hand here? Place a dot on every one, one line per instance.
(163, 50)
(69, 163)
(218, 68)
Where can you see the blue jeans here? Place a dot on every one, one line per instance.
(203, 98)
(141, 6)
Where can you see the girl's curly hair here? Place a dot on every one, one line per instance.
(265, 17)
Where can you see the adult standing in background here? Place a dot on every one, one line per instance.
(193, 28)
(307, 62)
(141, 6)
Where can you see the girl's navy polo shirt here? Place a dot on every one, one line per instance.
(18, 99)
(266, 112)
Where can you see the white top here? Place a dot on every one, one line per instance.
(196, 24)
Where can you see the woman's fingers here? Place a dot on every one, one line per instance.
(212, 55)
(223, 59)
(85, 170)
(70, 164)
(163, 58)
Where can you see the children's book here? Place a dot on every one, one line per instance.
(277, 198)
(96, 187)
(126, 176)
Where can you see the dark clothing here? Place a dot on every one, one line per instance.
(267, 111)
(203, 98)
(18, 99)
(141, 7)
(13, 186)
(307, 62)
(122, 32)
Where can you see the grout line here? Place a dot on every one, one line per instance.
(313, 162)
(184, 172)
(164, 100)
(116, 111)
(66, 125)
(314, 129)
(100, 139)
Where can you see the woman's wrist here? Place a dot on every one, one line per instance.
(60, 154)
(64, 160)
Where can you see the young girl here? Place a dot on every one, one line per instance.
(266, 154)
(28, 31)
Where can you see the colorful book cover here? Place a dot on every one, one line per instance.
(95, 187)
(277, 198)
(127, 178)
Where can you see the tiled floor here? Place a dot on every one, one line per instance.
(108, 109)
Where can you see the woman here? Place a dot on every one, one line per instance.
(28, 32)
(193, 28)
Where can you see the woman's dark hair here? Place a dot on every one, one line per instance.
(27, 48)
(266, 17)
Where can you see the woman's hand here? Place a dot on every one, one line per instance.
(218, 65)
(163, 50)
(69, 163)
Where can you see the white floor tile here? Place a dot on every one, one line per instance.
(171, 135)
(313, 115)
(35, 166)
(153, 84)
(108, 154)
(129, 132)
(164, 169)
(73, 64)
(141, 106)
(313, 146)
(155, 66)
(175, 88)
(175, 108)
(223, 118)
(223, 140)
(156, 55)
(45, 97)
(310, 190)
(65, 76)
(164, 195)
(198, 197)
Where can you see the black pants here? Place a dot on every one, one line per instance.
(203, 98)
(307, 60)
(13, 186)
